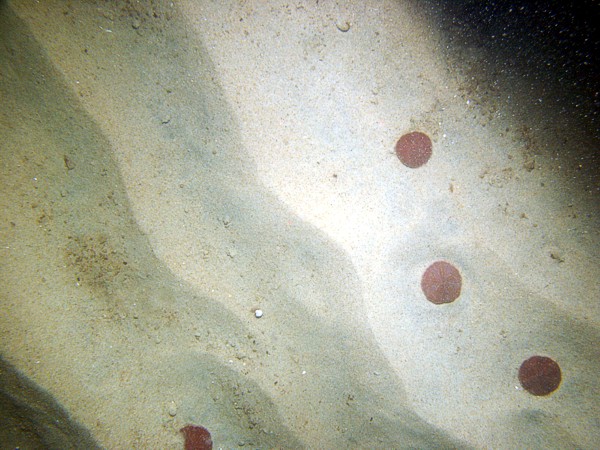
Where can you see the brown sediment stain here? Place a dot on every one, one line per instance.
(96, 263)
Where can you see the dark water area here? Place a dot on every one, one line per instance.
(553, 42)
(539, 61)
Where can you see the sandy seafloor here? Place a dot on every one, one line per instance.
(167, 168)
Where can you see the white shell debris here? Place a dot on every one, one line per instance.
(343, 25)
(258, 313)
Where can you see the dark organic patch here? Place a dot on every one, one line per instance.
(95, 262)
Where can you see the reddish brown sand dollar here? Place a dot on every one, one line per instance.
(441, 283)
(196, 438)
(539, 375)
(414, 149)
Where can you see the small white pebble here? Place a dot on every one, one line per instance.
(258, 313)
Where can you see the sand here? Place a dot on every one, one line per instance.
(167, 169)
